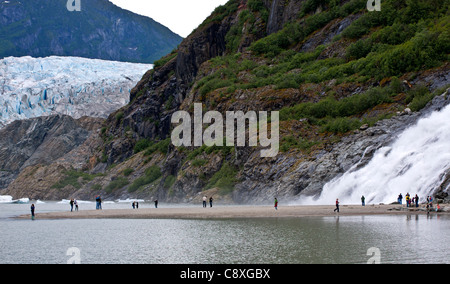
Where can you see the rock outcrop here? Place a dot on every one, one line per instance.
(40, 141)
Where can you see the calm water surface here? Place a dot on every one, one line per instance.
(398, 239)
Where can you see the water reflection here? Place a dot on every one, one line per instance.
(338, 239)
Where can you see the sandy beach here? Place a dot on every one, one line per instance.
(227, 212)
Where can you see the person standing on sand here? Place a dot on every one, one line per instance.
(99, 202)
(75, 202)
(417, 200)
(210, 201)
(400, 198)
(363, 201)
(32, 211)
(71, 204)
(337, 206)
(276, 203)
(156, 203)
(204, 201)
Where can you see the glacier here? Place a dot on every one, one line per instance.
(32, 87)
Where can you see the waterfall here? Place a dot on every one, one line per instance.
(416, 163)
(272, 22)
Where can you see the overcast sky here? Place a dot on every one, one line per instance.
(181, 16)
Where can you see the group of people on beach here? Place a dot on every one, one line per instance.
(205, 199)
(410, 201)
(414, 201)
(72, 203)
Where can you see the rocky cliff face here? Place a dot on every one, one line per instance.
(302, 58)
(40, 141)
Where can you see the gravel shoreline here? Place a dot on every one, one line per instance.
(229, 212)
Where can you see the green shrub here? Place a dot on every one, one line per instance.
(127, 172)
(311, 6)
(418, 97)
(330, 107)
(255, 5)
(359, 49)
(274, 44)
(290, 142)
(271, 45)
(141, 145)
(161, 62)
(119, 116)
(334, 114)
(118, 183)
(97, 187)
(151, 174)
(221, 12)
(396, 34)
(199, 162)
(169, 181)
(341, 125)
(72, 177)
(224, 179)
(162, 146)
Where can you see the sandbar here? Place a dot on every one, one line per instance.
(230, 212)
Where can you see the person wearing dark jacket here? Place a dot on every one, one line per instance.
(32, 211)
(337, 206)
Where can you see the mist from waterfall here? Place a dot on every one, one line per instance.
(416, 163)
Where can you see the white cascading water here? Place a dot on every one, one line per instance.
(416, 163)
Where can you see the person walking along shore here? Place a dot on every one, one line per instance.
(337, 206)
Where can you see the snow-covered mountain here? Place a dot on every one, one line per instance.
(32, 87)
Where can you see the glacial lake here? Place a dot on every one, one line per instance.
(345, 239)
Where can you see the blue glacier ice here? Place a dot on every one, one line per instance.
(32, 87)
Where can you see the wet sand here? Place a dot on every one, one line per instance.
(229, 212)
